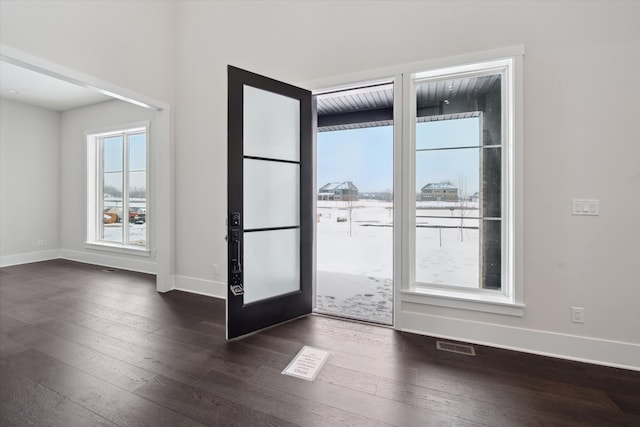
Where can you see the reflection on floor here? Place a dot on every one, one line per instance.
(354, 296)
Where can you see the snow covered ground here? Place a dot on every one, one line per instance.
(355, 261)
(356, 296)
(137, 233)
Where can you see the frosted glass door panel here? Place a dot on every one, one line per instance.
(271, 194)
(271, 126)
(271, 264)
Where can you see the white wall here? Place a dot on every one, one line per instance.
(580, 107)
(127, 43)
(75, 124)
(29, 182)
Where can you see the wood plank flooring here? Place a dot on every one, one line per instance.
(84, 346)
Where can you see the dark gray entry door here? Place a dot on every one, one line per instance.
(270, 229)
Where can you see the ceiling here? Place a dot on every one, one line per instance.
(368, 106)
(372, 106)
(30, 87)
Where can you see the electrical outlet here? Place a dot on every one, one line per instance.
(577, 314)
(40, 243)
(215, 269)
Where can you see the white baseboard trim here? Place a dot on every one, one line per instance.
(209, 288)
(565, 346)
(141, 266)
(26, 258)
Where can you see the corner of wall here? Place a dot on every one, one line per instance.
(208, 288)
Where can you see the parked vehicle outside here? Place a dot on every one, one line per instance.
(137, 215)
(112, 215)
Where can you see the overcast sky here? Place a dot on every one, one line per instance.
(137, 161)
(365, 156)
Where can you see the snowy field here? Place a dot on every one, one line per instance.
(355, 260)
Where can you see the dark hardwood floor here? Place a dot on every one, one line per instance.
(83, 346)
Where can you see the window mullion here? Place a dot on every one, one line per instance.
(507, 180)
(125, 189)
(409, 109)
(99, 217)
(462, 147)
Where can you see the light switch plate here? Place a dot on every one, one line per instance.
(585, 207)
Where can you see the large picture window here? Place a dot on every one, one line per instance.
(117, 188)
(462, 163)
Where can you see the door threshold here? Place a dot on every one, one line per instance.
(248, 334)
(352, 319)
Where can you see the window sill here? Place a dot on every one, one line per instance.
(476, 301)
(127, 250)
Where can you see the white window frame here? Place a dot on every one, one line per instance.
(94, 186)
(406, 296)
(509, 300)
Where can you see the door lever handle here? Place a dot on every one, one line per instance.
(238, 253)
(235, 285)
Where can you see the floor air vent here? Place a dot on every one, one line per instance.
(456, 348)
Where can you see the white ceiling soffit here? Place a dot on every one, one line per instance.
(30, 87)
(358, 99)
(372, 106)
(355, 108)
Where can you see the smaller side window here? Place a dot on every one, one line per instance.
(117, 188)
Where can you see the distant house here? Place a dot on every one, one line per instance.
(338, 191)
(443, 191)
